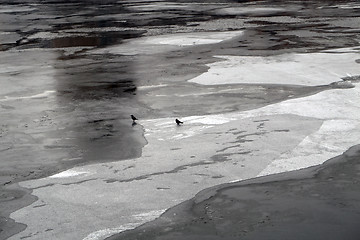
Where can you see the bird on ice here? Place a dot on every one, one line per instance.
(133, 118)
(178, 122)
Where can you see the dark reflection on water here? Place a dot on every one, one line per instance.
(96, 95)
(94, 39)
(75, 41)
(89, 78)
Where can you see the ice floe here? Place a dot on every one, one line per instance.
(141, 217)
(145, 87)
(333, 138)
(195, 125)
(16, 9)
(188, 39)
(68, 173)
(51, 35)
(253, 11)
(36, 96)
(167, 42)
(294, 69)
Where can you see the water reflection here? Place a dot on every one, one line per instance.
(96, 95)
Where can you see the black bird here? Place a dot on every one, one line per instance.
(133, 118)
(178, 121)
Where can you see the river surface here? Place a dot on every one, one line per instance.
(72, 73)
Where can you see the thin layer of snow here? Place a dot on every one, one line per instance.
(326, 143)
(44, 94)
(68, 173)
(249, 10)
(50, 35)
(142, 217)
(189, 39)
(168, 42)
(294, 69)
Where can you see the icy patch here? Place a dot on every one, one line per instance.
(257, 11)
(209, 120)
(139, 218)
(327, 105)
(166, 129)
(158, 6)
(68, 173)
(95, 29)
(318, 147)
(153, 44)
(341, 128)
(105, 233)
(148, 216)
(343, 50)
(190, 39)
(36, 96)
(344, 6)
(186, 133)
(169, 130)
(295, 69)
(15, 9)
(236, 180)
(50, 35)
(151, 86)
